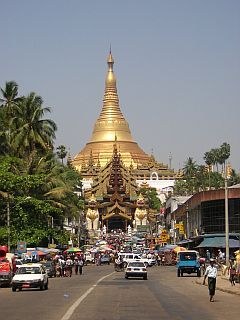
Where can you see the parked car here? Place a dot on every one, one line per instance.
(136, 269)
(188, 262)
(105, 259)
(49, 266)
(30, 276)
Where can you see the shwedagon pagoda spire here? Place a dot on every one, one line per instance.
(110, 128)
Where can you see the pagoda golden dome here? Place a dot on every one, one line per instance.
(111, 128)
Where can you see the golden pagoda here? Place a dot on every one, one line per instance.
(110, 128)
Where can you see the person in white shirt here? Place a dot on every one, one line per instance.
(211, 274)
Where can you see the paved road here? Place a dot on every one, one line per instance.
(162, 296)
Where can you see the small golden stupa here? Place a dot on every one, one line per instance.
(111, 128)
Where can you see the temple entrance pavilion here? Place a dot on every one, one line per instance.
(116, 222)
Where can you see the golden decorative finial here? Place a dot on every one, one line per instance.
(110, 60)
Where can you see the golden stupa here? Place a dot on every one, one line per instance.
(111, 128)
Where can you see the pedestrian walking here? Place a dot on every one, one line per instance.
(81, 263)
(69, 265)
(220, 256)
(76, 265)
(232, 274)
(238, 271)
(211, 274)
(62, 264)
(208, 255)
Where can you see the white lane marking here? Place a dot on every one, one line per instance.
(73, 307)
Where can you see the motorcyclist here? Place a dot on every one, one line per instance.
(118, 263)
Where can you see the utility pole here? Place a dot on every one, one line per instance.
(226, 215)
(187, 214)
(78, 233)
(8, 224)
(52, 229)
(174, 227)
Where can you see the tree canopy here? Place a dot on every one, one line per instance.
(198, 178)
(37, 189)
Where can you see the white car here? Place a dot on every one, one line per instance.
(18, 263)
(31, 275)
(136, 269)
(130, 257)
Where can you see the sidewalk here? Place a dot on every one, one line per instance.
(223, 284)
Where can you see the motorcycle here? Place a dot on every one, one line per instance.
(118, 265)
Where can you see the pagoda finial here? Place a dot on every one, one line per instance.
(110, 60)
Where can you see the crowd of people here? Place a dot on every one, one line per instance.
(64, 265)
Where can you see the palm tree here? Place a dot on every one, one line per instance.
(33, 132)
(190, 167)
(201, 178)
(8, 105)
(190, 170)
(224, 154)
(215, 157)
(61, 153)
(209, 160)
(10, 99)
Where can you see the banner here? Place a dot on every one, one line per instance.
(21, 247)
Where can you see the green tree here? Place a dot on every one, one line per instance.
(234, 178)
(209, 160)
(9, 102)
(224, 154)
(33, 131)
(190, 168)
(152, 197)
(10, 98)
(181, 188)
(34, 185)
(61, 152)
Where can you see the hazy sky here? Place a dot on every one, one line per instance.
(177, 65)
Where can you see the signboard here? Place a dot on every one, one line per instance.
(181, 228)
(22, 247)
(143, 229)
(164, 232)
(163, 239)
(52, 246)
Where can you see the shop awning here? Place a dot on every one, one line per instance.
(181, 243)
(218, 242)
